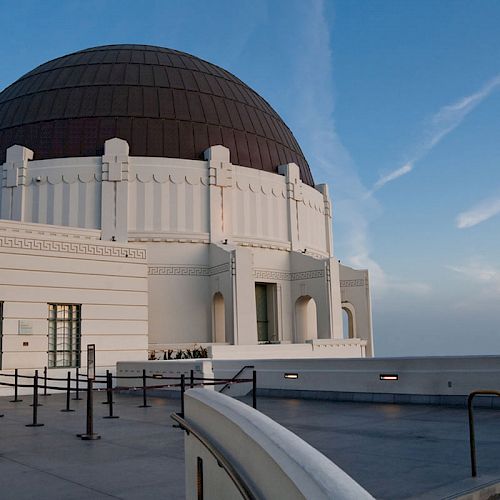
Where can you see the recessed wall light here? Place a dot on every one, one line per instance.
(389, 376)
(291, 375)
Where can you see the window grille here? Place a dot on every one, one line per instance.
(64, 335)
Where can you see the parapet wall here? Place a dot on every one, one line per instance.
(271, 460)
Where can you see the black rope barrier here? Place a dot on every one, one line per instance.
(16, 381)
(77, 380)
(89, 435)
(68, 394)
(35, 404)
(109, 394)
(144, 389)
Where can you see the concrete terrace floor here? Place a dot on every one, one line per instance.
(397, 451)
(394, 451)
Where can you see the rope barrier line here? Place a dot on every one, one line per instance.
(125, 388)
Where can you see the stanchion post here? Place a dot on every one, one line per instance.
(68, 393)
(16, 381)
(109, 390)
(472, 437)
(191, 379)
(45, 381)
(90, 435)
(35, 376)
(77, 395)
(254, 389)
(144, 400)
(107, 399)
(35, 403)
(183, 389)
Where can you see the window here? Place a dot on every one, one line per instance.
(64, 335)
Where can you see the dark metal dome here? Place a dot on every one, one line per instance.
(161, 101)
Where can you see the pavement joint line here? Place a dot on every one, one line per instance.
(38, 469)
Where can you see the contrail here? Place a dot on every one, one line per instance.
(441, 124)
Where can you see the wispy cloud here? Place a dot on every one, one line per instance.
(441, 124)
(482, 290)
(479, 213)
(479, 271)
(354, 207)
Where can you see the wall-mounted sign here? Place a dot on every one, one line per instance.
(25, 327)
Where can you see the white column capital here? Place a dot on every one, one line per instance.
(294, 184)
(15, 166)
(115, 161)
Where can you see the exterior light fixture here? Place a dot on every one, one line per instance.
(389, 376)
(291, 375)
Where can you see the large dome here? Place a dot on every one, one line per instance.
(161, 101)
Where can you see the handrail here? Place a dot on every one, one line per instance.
(472, 436)
(236, 478)
(234, 378)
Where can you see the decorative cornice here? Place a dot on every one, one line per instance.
(351, 283)
(72, 247)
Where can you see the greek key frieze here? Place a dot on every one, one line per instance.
(286, 276)
(272, 275)
(174, 270)
(350, 283)
(41, 245)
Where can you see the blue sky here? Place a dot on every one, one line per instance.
(395, 104)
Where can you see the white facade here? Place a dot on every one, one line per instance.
(42, 265)
(209, 232)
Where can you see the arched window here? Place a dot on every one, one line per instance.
(348, 321)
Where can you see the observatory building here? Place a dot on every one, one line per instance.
(151, 200)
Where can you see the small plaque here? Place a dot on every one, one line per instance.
(25, 327)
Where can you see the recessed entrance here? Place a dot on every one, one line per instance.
(218, 318)
(265, 303)
(306, 319)
(348, 321)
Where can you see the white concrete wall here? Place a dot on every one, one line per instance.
(355, 294)
(42, 264)
(272, 460)
(170, 368)
(209, 227)
(444, 376)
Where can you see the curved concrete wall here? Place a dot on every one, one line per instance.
(272, 460)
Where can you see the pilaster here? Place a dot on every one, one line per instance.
(323, 189)
(115, 184)
(14, 182)
(294, 195)
(220, 183)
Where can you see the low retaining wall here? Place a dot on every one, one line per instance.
(427, 380)
(272, 461)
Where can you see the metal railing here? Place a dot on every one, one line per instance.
(472, 435)
(242, 486)
(235, 377)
